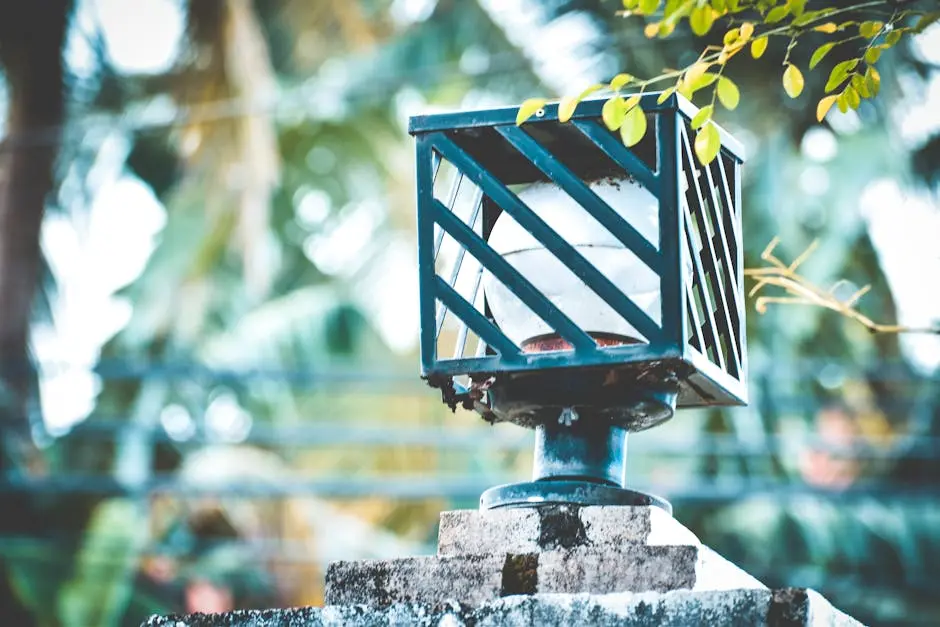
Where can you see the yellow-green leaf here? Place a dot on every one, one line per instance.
(893, 37)
(728, 93)
(707, 143)
(620, 81)
(745, 31)
(632, 101)
(839, 73)
(870, 28)
(860, 86)
(793, 81)
(663, 97)
(613, 113)
(842, 103)
(566, 108)
(852, 97)
(731, 37)
(758, 47)
(704, 115)
(828, 27)
(651, 29)
(873, 78)
(529, 108)
(821, 52)
(872, 55)
(777, 14)
(647, 7)
(823, 107)
(701, 20)
(634, 126)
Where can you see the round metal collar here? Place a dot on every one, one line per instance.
(560, 492)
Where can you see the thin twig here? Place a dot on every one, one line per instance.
(800, 291)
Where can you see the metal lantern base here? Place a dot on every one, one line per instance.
(571, 492)
(577, 462)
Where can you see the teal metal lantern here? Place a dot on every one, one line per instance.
(578, 287)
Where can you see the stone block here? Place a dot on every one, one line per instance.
(475, 579)
(532, 530)
(758, 608)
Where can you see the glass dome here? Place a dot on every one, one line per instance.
(563, 288)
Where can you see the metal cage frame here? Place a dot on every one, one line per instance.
(702, 334)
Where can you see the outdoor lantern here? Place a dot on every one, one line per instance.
(578, 287)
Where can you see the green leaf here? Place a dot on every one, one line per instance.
(701, 20)
(719, 5)
(703, 81)
(893, 37)
(758, 47)
(528, 108)
(839, 73)
(777, 14)
(793, 81)
(629, 5)
(852, 97)
(567, 106)
(647, 7)
(704, 115)
(733, 5)
(663, 97)
(634, 126)
(821, 52)
(823, 107)
(873, 78)
(797, 7)
(632, 101)
(860, 86)
(707, 143)
(728, 93)
(926, 20)
(613, 113)
(872, 55)
(842, 103)
(869, 28)
(618, 82)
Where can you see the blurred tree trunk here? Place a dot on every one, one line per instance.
(31, 41)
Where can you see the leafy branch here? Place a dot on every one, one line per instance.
(752, 23)
(800, 291)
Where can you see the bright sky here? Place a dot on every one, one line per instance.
(96, 252)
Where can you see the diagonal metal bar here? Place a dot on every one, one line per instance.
(455, 272)
(435, 164)
(709, 329)
(731, 220)
(582, 268)
(717, 282)
(583, 195)
(475, 320)
(732, 187)
(721, 211)
(696, 339)
(619, 154)
(718, 215)
(451, 201)
(513, 279)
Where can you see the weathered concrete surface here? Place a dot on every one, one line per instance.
(531, 530)
(777, 608)
(476, 579)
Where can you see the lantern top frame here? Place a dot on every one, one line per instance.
(700, 339)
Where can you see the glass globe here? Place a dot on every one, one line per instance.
(553, 278)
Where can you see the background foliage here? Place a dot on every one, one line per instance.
(256, 412)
